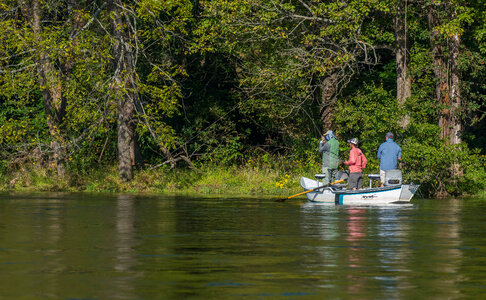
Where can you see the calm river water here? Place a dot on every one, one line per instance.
(81, 246)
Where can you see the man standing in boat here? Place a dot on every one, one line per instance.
(357, 162)
(389, 153)
(329, 147)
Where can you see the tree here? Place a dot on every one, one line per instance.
(446, 20)
(124, 87)
(295, 57)
(44, 51)
(163, 37)
(404, 83)
(50, 81)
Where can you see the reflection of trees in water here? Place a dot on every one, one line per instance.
(53, 231)
(340, 254)
(124, 247)
(434, 255)
(222, 242)
(390, 252)
(449, 249)
(124, 233)
(356, 235)
(394, 251)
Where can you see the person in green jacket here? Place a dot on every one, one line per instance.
(329, 147)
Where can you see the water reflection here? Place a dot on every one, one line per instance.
(394, 250)
(124, 246)
(355, 235)
(125, 231)
(51, 230)
(132, 247)
(388, 248)
(452, 251)
(435, 256)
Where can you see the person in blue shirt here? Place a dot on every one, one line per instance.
(389, 153)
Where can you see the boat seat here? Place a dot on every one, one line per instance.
(374, 176)
(339, 175)
(393, 177)
(342, 175)
(339, 186)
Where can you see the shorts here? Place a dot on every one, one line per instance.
(382, 176)
(355, 180)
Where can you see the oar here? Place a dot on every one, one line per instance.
(320, 187)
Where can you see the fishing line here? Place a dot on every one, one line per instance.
(313, 123)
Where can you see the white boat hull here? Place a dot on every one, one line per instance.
(382, 195)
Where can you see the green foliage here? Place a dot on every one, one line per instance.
(240, 88)
(426, 159)
(285, 50)
(432, 165)
(367, 115)
(163, 30)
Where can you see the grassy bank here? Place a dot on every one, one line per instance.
(243, 180)
(251, 180)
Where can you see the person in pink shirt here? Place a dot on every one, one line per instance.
(357, 162)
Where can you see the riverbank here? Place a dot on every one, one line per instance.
(249, 180)
(242, 180)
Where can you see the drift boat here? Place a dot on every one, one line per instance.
(393, 191)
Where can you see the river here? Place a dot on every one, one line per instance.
(92, 246)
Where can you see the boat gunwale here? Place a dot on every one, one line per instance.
(366, 191)
(333, 190)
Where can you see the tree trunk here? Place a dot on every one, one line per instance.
(455, 92)
(125, 90)
(50, 84)
(448, 90)
(456, 101)
(440, 72)
(404, 84)
(125, 139)
(328, 96)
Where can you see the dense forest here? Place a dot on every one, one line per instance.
(170, 85)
